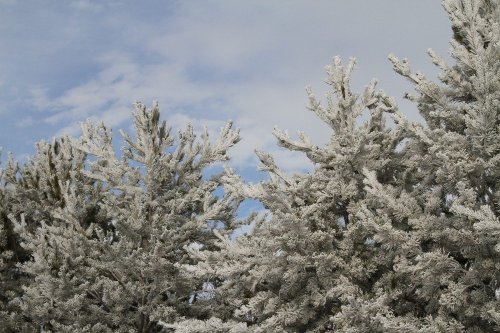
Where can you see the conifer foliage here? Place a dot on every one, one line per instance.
(119, 271)
(32, 193)
(451, 175)
(396, 228)
(10, 286)
(294, 271)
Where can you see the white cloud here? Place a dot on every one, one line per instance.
(25, 122)
(86, 5)
(39, 99)
(209, 61)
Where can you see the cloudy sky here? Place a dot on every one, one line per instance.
(205, 61)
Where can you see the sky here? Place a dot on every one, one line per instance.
(204, 61)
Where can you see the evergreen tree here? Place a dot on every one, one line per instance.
(414, 249)
(34, 192)
(447, 204)
(296, 271)
(119, 271)
(10, 284)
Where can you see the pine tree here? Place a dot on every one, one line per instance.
(120, 272)
(10, 285)
(448, 202)
(295, 271)
(395, 229)
(34, 191)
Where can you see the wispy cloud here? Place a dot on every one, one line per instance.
(205, 61)
(86, 5)
(25, 122)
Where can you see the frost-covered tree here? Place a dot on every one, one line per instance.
(42, 182)
(443, 218)
(10, 284)
(34, 191)
(120, 272)
(395, 230)
(294, 272)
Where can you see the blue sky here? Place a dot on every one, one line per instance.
(205, 61)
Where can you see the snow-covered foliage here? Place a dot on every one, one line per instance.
(121, 269)
(417, 247)
(9, 279)
(299, 270)
(34, 192)
(396, 229)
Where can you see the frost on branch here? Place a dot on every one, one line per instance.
(286, 274)
(125, 273)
